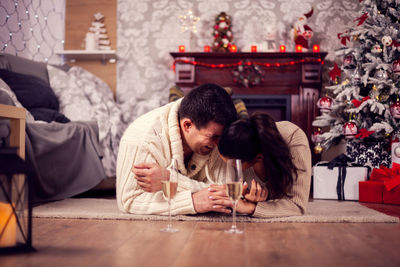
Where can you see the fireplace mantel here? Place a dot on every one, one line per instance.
(296, 76)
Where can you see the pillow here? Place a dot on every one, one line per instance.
(73, 101)
(48, 115)
(31, 91)
(6, 90)
(27, 67)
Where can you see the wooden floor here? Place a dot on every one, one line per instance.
(65, 242)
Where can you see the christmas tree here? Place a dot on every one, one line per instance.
(362, 103)
(222, 33)
(99, 30)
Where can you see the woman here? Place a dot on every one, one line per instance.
(276, 161)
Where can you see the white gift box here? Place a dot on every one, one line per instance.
(325, 182)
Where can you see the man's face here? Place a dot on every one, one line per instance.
(202, 141)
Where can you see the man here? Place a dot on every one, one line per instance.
(188, 130)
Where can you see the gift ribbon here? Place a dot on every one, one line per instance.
(389, 177)
(342, 162)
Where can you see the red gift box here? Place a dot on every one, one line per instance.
(370, 191)
(383, 187)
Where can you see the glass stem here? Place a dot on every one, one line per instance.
(234, 215)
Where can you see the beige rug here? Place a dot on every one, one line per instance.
(318, 211)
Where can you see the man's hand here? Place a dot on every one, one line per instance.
(212, 198)
(257, 192)
(150, 175)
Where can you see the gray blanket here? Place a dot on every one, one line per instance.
(67, 158)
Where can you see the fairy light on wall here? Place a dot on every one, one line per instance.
(32, 29)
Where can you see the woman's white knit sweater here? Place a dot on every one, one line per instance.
(155, 137)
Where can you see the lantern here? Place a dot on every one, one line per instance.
(15, 202)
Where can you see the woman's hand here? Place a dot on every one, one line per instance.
(257, 192)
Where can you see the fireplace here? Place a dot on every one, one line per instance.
(289, 89)
(277, 106)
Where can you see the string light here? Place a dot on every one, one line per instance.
(33, 29)
(249, 63)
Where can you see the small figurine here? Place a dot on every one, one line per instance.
(302, 32)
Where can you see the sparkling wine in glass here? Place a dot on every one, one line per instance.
(169, 189)
(234, 185)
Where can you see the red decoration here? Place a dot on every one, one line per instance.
(357, 103)
(396, 66)
(363, 133)
(315, 48)
(253, 48)
(299, 48)
(316, 136)
(207, 48)
(395, 109)
(325, 104)
(343, 39)
(361, 19)
(350, 129)
(282, 48)
(335, 72)
(181, 48)
(303, 32)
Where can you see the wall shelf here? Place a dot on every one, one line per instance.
(102, 55)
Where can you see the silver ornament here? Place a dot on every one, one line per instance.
(397, 151)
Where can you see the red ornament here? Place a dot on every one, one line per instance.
(395, 109)
(396, 66)
(316, 136)
(350, 129)
(325, 104)
(335, 72)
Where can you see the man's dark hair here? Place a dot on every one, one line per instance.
(206, 103)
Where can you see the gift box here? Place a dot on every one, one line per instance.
(383, 187)
(369, 152)
(338, 179)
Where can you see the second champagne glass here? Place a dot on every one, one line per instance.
(234, 185)
(169, 189)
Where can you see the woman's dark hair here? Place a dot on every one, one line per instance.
(246, 138)
(208, 102)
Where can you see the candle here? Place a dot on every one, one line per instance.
(8, 226)
(282, 48)
(315, 48)
(181, 48)
(299, 48)
(207, 48)
(233, 48)
(253, 48)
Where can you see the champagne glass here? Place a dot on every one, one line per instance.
(234, 185)
(169, 189)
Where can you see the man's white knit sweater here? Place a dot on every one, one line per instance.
(155, 137)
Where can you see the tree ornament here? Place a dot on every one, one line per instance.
(325, 104)
(350, 129)
(349, 61)
(222, 33)
(376, 49)
(395, 109)
(396, 67)
(334, 73)
(316, 136)
(397, 151)
(97, 38)
(387, 40)
(381, 74)
(318, 149)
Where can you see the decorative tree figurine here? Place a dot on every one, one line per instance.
(222, 33)
(98, 33)
(366, 106)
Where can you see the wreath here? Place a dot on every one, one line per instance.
(248, 74)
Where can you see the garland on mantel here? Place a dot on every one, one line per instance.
(248, 63)
(248, 73)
